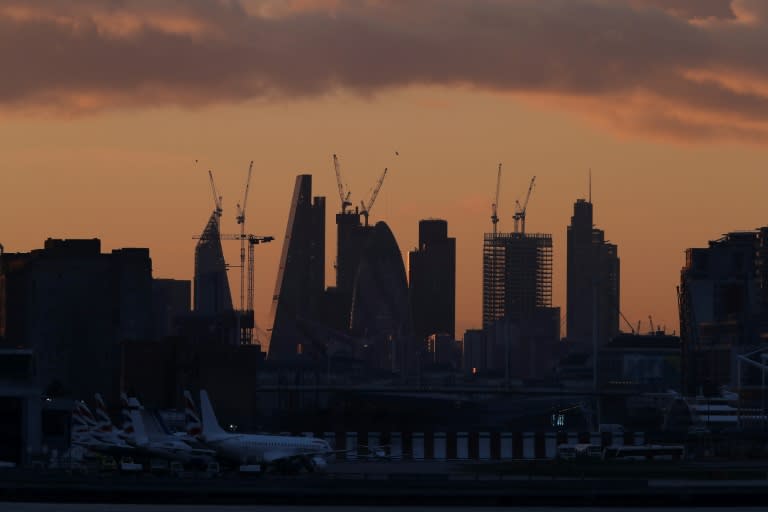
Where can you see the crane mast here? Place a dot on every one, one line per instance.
(216, 196)
(495, 205)
(366, 209)
(521, 209)
(343, 195)
(241, 221)
(247, 334)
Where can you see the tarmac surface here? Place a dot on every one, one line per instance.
(398, 483)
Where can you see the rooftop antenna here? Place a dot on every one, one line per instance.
(590, 185)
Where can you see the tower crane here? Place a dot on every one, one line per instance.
(241, 222)
(343, 195)
(631, 327)
(216, 196)
(366, 208)
(520, 210)
(495, 205)
(247, 332)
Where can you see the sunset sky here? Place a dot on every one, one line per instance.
(106, 105)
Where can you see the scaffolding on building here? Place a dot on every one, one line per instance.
(517, 274)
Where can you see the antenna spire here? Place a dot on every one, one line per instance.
(590, 185)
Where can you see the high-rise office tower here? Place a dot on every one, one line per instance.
(593, 280)
(380, 311)
(351, 237)
(212, 295)
(301, 276)
(73, 306)
(519, 322)
(517, 275)
(432, 280)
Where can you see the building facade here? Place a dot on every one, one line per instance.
(212, 294)
(432, 280)
(380, 310)
(723, 310)
(73, 305)
(301, 276)
(593, 280)
(517, 275)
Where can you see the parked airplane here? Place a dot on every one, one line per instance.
(93, 434)
(283, 453)
(162, 444)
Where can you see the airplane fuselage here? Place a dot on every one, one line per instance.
(265, 449)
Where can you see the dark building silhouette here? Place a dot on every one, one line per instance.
(351, 237)
(723, 310)
(160, 372)
(593, 280)
(380, 309)
(301, 276)
(72, 305)
(432, 280)
(21, 409)
(524, 347)
(521, 326)
(474, 351)
(517, 275)
(640, 363)
(212, 295)
(171, 300)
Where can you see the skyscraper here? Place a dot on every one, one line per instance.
(301, 276)
(212, 295)
(380, 311)
(432, 280)
(517, 275)
(351, 237)
(593, 279)
(520, 324)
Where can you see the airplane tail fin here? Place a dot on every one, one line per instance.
(102, 418)
(191, 416)
(80, 430)
(85, 414)
(211, 425)
(129, 432)
(138, 425)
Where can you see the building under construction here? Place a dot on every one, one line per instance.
(517, 274)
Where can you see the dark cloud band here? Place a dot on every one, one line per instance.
(82, 56)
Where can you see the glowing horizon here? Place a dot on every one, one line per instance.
(105, 112)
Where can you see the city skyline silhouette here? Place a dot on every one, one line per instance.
(675, 145)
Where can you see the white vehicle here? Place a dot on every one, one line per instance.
(284, 453)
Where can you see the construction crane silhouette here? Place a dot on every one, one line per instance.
(241, 222)
(366, 208)
(216, 196)
(495, 205)
(520, 210)
(253, 240)
(343, 194)
(631, 327)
